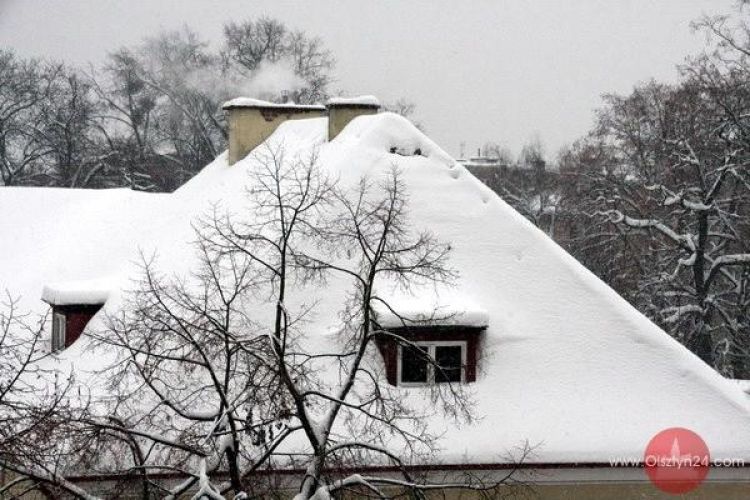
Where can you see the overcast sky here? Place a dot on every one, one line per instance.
(477, 70)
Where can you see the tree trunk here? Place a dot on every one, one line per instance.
(702, 340)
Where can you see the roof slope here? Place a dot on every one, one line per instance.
(566, 363)
(59, 235)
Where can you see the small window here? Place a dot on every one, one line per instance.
(415, 365)
(58, 331)
(449, 359)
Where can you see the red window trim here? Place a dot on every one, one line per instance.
(77, 316)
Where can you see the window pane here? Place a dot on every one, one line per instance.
(414, 364)
(448, 358)
(58, 331)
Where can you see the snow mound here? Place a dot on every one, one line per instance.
(394, 134)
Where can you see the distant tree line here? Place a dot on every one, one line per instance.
(527, 182)
(655, 200)
(150, 117)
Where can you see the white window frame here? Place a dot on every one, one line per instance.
(431, 345)
(57, 338)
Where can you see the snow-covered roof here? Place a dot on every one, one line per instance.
(59, 237)
(423, 308)
(369, 101)
(565, 363)
(743, 384)
(250, 102)
(78, 292)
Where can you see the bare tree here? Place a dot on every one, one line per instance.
(249, 44)
(70, 131)
(24, 85)
(151, 118)
(160, 101)
(165, 122)
(219, 375)
(35, 411)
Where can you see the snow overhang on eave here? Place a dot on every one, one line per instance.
(76, 293)
(461, 317)
(363, 101)
(251, 103)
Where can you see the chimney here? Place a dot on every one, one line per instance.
(342, 110)
(252, 121)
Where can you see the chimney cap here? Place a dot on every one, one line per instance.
(362, 101)
(250, 103)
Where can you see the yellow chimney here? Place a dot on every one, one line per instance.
(252, 121)
(342, 110)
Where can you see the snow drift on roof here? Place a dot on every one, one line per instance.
(64, 235)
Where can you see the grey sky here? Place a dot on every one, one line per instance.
(477, 70)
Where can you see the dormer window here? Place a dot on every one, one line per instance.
(68, 323)
(425, 342)
(73, 306)
(433, 354)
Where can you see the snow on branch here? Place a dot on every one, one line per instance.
(677, 312)
(722, 261)
(617, 217)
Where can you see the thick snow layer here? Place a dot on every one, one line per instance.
(425, 308)
(388, 135)
(362, 100)
(442, 316)
(249, 102)
(78, 292)
(58, 235)
(565, 364)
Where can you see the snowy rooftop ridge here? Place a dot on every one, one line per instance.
(250, 102)
(362, 100)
